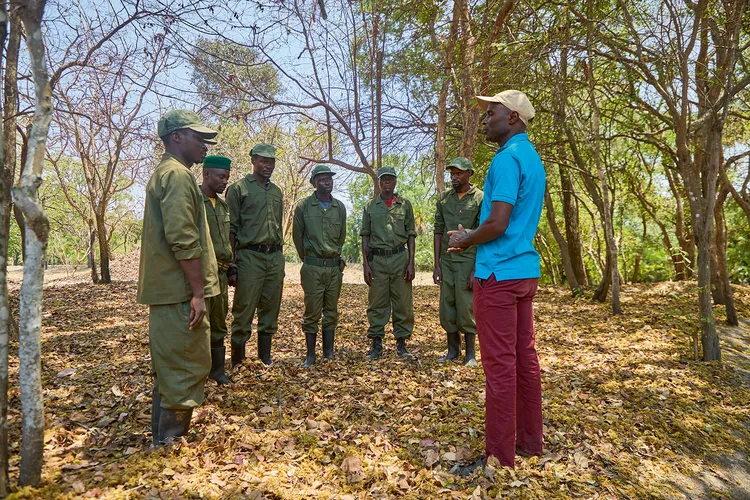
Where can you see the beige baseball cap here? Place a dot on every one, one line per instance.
(514, 100)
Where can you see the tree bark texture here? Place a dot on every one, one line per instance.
(37, 233)
(570, 275)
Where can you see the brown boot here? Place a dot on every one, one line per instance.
(174, 423)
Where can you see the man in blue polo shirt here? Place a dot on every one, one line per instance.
(506, 278)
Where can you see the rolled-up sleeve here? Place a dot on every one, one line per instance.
(439, 221)
(366, 230)
(409, 222)
(178, 206)
(233, 201)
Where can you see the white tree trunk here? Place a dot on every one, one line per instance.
(37, 232)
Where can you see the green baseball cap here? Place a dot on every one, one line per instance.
(386, 171)
(321, 169)
(221, 162)
(461, 163)
(181, 118)
(265, 150)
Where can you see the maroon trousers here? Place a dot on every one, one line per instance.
(505, 324)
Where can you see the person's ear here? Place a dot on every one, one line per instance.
(513, 117)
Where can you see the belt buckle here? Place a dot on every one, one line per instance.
(266, 248)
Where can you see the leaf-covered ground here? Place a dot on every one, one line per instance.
(628, 413)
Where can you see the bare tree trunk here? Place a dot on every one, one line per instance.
(10, 27)
(469, 110)
(92, 252)
(639, 255)
(104, 252)
(722, 270)
(596, 154)
(570, 275)
(572, 229)
(37, 233)
(600, 295)
(442, 104)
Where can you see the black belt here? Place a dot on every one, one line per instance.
(387, 252)
(314, 261)
(263, 248)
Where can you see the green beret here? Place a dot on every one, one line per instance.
(181, 118)
(386, 171)
(221, 162)
(265, 150)
(461, 163)
(321, 169)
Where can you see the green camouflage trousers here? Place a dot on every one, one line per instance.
(260, 282)
(180, 358)
(456, 300)
(322, 286)
(390, 294)
(216, 309)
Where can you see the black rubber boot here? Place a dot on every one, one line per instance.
(310, 339)
(264, 347)
(238, 354)
(328, 336)
(401, 349)
(470, 359)
(454, 348)
(217, 365)
(174, 423)
(155, 414)
(376, 350)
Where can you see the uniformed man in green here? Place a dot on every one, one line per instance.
(177, 273)
(255, 233)
(388, 259)
(215, 179)
(454, 271)
(319, 231)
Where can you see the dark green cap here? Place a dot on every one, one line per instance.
(461, 163)
(221, 162)
(182, 118)
(321, 169)
(386, 171)
(265, 150)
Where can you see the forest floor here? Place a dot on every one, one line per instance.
(628, 413)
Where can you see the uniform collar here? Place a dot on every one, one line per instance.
(472, 190)
(170, 156)
(395, 195)
(522, 137)
(316, 201)
(251, 178)
(206, 198)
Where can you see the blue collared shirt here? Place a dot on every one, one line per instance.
(516, 176)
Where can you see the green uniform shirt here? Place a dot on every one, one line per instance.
(452, 211)
(317, 231)
(218, 223)
(174, 229)
(255, 212)
(388, 227)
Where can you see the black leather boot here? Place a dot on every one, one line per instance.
(238, 354)
(310, 339)
(401, 349)
(328, 336)
(376, 350)
(454, 348)
(470, 359)
(174, 423)
(217, 365)
(155, 414)
(264, 347)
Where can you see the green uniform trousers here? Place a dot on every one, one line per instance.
(260, 282)
(180, 358)
(389, 293)
(216, 309)
(456, 300)
(322, 287)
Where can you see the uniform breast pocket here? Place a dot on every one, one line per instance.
(331, 231)
(224, 220)
(398, 220)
